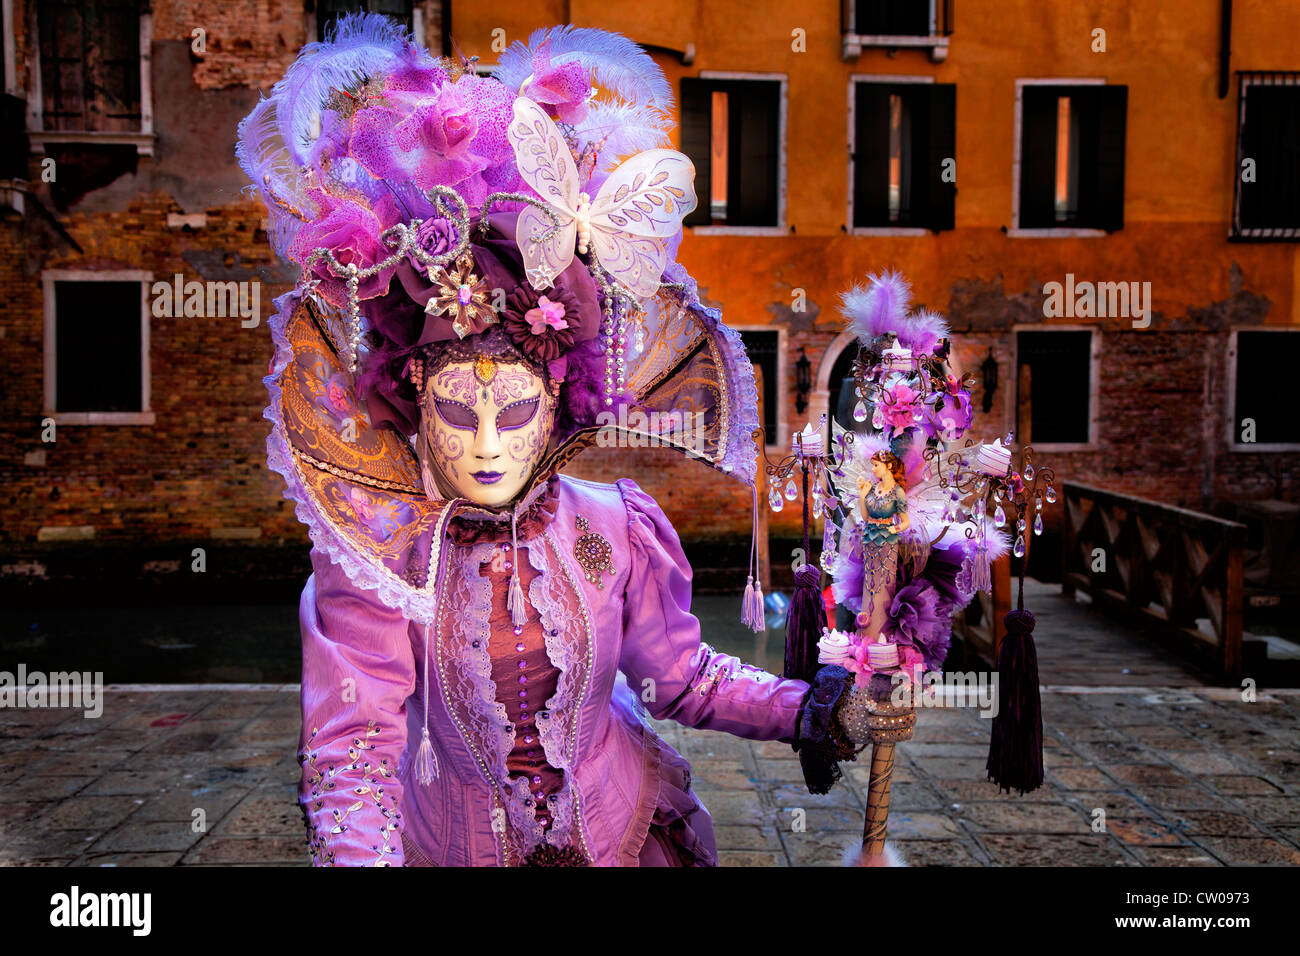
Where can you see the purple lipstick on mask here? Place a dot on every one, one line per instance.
(487, 477)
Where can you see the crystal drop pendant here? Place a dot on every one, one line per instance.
(791, 490)
(999, 517)
(1051, 495)
(1038, 524)
(1019, 549)
(1029, 472)
(878, 420)
(775, 501)
(1020, 524)
(1008, 438)
(860, 412)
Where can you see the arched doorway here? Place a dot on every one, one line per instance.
(834, 384)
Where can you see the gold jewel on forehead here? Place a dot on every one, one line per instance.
(485, 368)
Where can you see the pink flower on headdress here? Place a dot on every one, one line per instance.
(442, 132)
(898, 407)
(351, 232)
(560, 90)
(546, 315)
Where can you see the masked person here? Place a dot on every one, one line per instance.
(487, 288)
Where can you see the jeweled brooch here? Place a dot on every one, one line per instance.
(462, 296)
(593, 552)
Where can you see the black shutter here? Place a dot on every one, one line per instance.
(697, 119)
(754, 117)
(871, 154)
(941, 130)
(1112, 117)
(1271, 137)
(1038, 157)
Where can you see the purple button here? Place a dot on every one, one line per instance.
(537, 780)
(522, 664)
(540, 796)
(505, 546)
(520, 647)
(532, 753)
(523, 679)
(523, 693)
(528, 739)
(509, 566)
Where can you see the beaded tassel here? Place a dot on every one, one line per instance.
(515, 596)
(751, 605)
(426, 761)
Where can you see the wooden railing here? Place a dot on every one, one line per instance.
(1161, 567)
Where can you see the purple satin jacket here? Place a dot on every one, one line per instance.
(624, 647)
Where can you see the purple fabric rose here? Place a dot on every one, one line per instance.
(435, 237)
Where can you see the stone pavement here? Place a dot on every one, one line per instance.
(1148, 767)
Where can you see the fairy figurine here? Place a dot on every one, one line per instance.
(883, 507)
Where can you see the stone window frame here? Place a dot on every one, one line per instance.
(1230, 404)
(50, 350)
(1094, 385)
(782, 226)
(783, 430)
(1017, 134)
(143, 141)
(936, 41)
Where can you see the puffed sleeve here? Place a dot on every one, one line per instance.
(675, 674)
(358, 669)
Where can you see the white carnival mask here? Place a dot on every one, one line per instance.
(486, 426)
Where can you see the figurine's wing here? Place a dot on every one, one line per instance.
(546, 164)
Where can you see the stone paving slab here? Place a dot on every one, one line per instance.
(1146, 765)
(1135, 777)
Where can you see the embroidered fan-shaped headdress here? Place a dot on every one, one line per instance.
(425, 203)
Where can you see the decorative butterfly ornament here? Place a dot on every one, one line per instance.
(625, 225)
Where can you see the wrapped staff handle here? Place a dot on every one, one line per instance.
(872, 715)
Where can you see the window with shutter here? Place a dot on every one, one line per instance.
(1072, 154)
(893, 17)
(328, 11)
(903, 136)
(731, 130)
(90, 65)
(1267, 201)
(1059, 395)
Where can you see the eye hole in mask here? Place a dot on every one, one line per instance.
(456, 415)
(517, 415)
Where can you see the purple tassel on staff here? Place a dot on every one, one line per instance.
(804, 622)
(806, 616)
(1016, 746)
